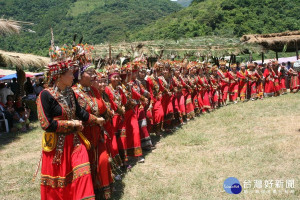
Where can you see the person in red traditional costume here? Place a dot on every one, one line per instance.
(178, 100)
(260, 83)
(277, 87)
(193, 81)
(234, 83)
(66, 171)
(110, 135)
(269, 81)
(117, 100)
(253, 78)
(207, 72)
(243, 82)
(204, 89)
(135, 96)
(140, 96)
(147, 107)
(283, 71)
(294, 83)
(90, 99)
(156, 95)
(166, 100)
(187, 90)
(215, 87)
(223, 73)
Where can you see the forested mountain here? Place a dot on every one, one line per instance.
(97, 20)
(131, 20)
(184, 3)
(225, 17)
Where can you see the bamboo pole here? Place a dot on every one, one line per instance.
(297, 51)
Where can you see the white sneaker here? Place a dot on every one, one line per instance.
(141, 159)
(118, 177)
(235, 102)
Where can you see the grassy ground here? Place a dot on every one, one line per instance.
(250, 141)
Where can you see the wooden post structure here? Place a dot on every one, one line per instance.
(21, 78)
(231, 58)
(110, 61)
(262, 58)
(276, 55)
(297, 51)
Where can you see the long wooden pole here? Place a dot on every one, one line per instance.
(297, 51)
(110, 61)
(276, 55)
(262, 58)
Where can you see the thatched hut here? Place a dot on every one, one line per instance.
(22, 60)
(19, 61)
(287, 41)
(8, 27)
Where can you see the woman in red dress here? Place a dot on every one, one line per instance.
(141, 95)
(253, 78)
(234, 84)
(294, 83)
(134, 97)
(223, 73)
(243, 82)
(282, 78)
(204, 91)
(110, 136)
(277, 87)
(260, 83)
(269, 81)
(187, 91)
(178, 101)
(90, 99)
(66, 172)
(166, 100)
(193, 80)
(155, 103)
(117, 100)
(215, 87)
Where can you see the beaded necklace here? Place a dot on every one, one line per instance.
(83, 92)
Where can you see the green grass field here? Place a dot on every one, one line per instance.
(250, 141)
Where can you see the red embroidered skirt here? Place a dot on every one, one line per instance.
(158, 112)
(189, 107)
(120, 130)
(133, 134)
(69, 180)
(144, 134)
(99, 158)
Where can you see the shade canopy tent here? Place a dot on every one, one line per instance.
(5, 72)
(280, 60)
(11, 76)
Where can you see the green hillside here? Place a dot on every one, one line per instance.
(184, 3)
(97, 20)
(225, 17)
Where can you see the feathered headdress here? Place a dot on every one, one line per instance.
(111, 70)
(222, 62)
